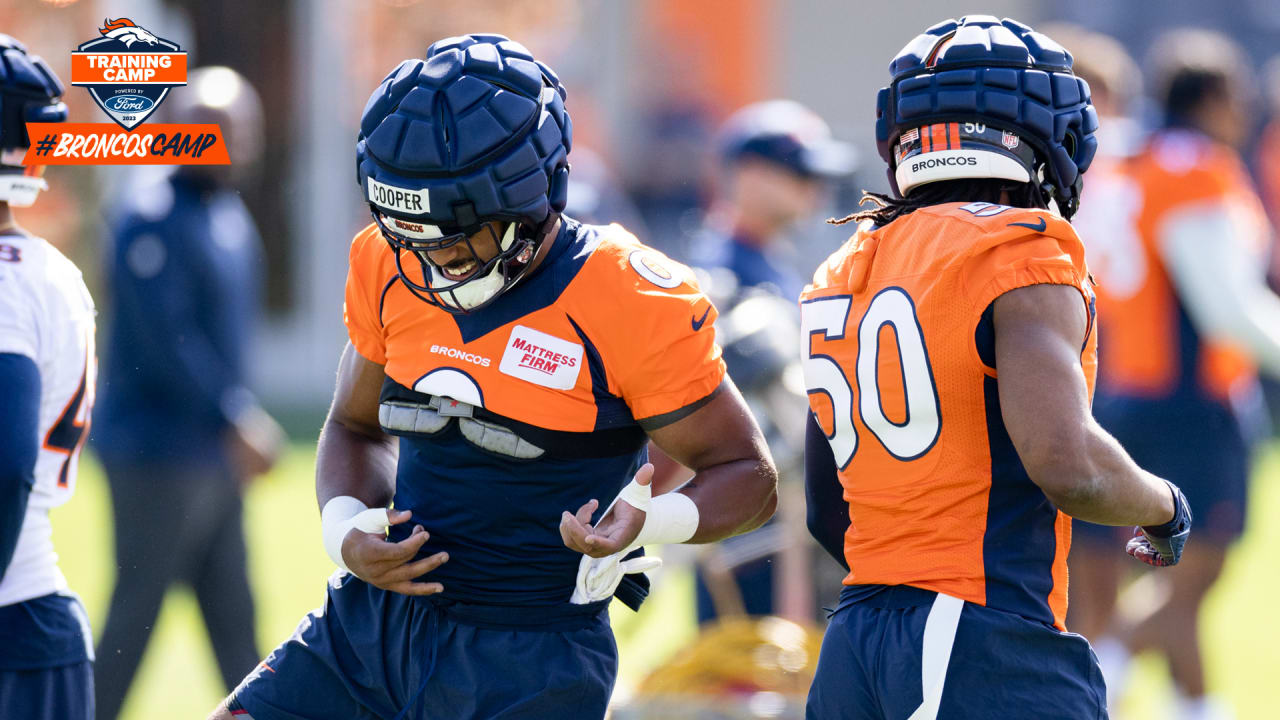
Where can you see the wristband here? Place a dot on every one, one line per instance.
(1181, 516)
(340, 515)
(670, 518)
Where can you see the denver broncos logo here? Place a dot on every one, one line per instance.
(124, 30)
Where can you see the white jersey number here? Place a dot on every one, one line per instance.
(918, 432)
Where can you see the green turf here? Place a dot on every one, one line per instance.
(288, 567)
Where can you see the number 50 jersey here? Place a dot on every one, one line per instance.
(899, 357)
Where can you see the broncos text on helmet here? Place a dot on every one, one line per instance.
(29, 92)
(472, 138)
(985, 98)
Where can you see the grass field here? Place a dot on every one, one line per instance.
(288, 568)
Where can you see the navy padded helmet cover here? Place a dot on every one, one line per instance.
(1000, 72)
(480, 124)
(29, 92)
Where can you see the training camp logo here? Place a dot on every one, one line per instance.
(128, 70)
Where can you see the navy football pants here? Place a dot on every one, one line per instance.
(371, 654)
(58, 693)
(911, 654)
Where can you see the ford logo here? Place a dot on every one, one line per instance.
(129, 103)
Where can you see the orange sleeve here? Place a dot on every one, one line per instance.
(360, 304)
(665, 355)
(1030, 259)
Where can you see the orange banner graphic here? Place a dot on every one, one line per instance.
(108, 144)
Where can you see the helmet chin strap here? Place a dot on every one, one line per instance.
(21, 190)
(474, 292)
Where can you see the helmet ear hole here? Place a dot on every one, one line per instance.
(558, 196)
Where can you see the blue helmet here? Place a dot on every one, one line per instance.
(475, 133)
(986, 98)
(29, 92)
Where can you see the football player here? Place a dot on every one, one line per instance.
(507, 365)
(1188, 319)
(47, 372)
(949, 352)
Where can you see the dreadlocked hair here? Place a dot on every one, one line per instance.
(992, 190)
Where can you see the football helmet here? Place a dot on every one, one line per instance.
(985, 98)
(29, 92)
(471, 141)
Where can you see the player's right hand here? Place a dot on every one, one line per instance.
(1161, 545)
(390, 565)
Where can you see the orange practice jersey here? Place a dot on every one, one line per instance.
(529, 362)
(1149, 348)
(559, 372)
(899, 349)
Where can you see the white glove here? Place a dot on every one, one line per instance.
(598, 578)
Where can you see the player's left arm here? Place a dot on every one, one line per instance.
(735, 483)
(19, 446)
(733, 490)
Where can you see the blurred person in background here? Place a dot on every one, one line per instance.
(1187, 320)
(178, 431)
(777, 160)
(1108, 198)
(48, 367)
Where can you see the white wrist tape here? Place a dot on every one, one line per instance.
(669, 518)
(340, 515)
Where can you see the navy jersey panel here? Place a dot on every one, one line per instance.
(184, 294)
(369, 653)
(57, 693)
(1020, 542)
(1001, 665)
(44, 632)
(499, 517)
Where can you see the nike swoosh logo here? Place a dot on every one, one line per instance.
(1037, 228)
(697, 324)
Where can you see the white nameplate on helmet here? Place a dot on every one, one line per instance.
(390, 197)
(541, 359)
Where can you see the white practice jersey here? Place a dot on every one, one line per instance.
(46, 314)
